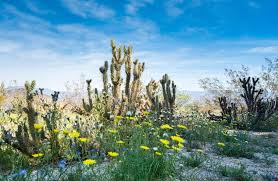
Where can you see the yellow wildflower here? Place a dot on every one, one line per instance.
(180, 145)
(158, 153)
(83, 140)
(113, 131)
(37, 155)
(182, 126)
(146, 113)
(56, 130)
(164, 142)
(131, 118)
(38, 126)
(119, 117)
(144, 147)
(220, 144)
(74, 134)
(178, 139)
(175, 148)
(166, 126)
(65, 131)
(120, 142)
(113, 154)
(89, 162)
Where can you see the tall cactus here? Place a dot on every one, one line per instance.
(26, 139)
(169, 92)
(151, 89)
(104, 72)
(128, 69)
(29, 109)
(138, 69)
(116, 65)
(88, 107)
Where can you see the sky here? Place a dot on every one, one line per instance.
(55, 41)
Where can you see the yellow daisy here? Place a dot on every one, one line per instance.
(89, 162)
(113, 154)
(166, 126)
(178, 139)
(144, 147)
(38, 126)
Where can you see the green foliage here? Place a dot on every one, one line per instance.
(235, 145)
(193, 160)
(10, 159)
(238, 174)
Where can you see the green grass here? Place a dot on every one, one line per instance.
(193, 160)
(238, 174)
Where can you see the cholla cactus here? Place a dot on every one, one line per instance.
(138, 69)
(104, 71)
(30, 110)
(169, 92)
(128, 69)
(151, 89)
(88, 107)
(51, 119)
(115, 67)
(26, 139)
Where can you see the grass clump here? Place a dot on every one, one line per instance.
(238, 174)
(193, 160)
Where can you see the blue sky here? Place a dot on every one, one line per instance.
(55, 41)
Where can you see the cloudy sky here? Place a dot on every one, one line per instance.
(54, 41)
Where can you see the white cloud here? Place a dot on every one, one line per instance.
(89, 9)
(134, 5)
(263, 49)
(35, 8)
(172, 8)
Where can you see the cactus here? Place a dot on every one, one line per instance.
(151, 90)
(51, 119)
(169, 93)
(259, 109)
(228, 111)
(30, 110)
(251, 95)
(104, 71)
(88, 107)
(138, 69)
(27, 139)
(115, 67)
(128, 69)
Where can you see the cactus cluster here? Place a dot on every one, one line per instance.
(121, 96)
(258, 108)
(27, 139)
(169, 92)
